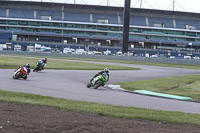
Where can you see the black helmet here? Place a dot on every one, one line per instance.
(45, 59)
(28, 65)
(106, 70)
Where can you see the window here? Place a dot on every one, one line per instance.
(12, 22)
(191, 34)
(78, 32)
(79, 26)
(114, 28)
(102, 27)
(56, 31)
(90, 26)
(34, 23)
(13, 28)
(46, 24)
(135, 30)
(67, 32)
(23, 23)
(57, 24)
(45, 30)
(68, 25)
(2, 21)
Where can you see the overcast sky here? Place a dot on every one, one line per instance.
(180, 5)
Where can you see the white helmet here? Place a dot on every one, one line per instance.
(106, 70)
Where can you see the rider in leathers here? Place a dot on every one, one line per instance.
(27, 67)
(25, 70)
(106, 70)
(42, 63)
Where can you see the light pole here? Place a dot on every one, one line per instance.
(126, 26)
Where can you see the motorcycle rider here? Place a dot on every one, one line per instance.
(106, 71)
(27, 67)
(24, 69)
(42, 63)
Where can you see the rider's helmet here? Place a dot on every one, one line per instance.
(106, 70)
(44, 60)
(28, 65)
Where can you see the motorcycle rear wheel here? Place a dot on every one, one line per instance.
(88, 85)
(25, 78)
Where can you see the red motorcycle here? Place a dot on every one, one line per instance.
(20, 73)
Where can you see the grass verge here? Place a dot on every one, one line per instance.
(10, 62)
(187, 66)
(101, 109)
(182, 85)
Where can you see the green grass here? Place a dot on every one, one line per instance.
(183, 85)
(186, 86)
(101, 109)
(10, 62)
(188, 66)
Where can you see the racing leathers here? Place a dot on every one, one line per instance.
(100, 73)
(42, 64)
(22, 68)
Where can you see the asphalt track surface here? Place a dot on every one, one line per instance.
(71, 84)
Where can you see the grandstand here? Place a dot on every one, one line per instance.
(98, 27)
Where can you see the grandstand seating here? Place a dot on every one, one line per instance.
(181, 23)
(167, 22)
(143, 23)
(112, 18)
(20, 13)
(77, 16)
(54, 15)
(2, 12)
(137, 20)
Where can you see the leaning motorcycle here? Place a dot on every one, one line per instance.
(39, 66)
(20, 74)
(98, 81)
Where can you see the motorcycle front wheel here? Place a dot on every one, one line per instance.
(36, 69)
(18, 75)
(98, 84)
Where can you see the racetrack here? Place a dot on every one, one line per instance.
(71, 84)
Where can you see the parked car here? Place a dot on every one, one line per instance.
(107, 52)
(119, 53)
(97, 53)
(81, 51)
(69, 51)
(154, 56)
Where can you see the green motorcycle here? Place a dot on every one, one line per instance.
(98, 81)
(39, 66)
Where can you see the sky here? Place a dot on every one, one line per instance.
(180, 5)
